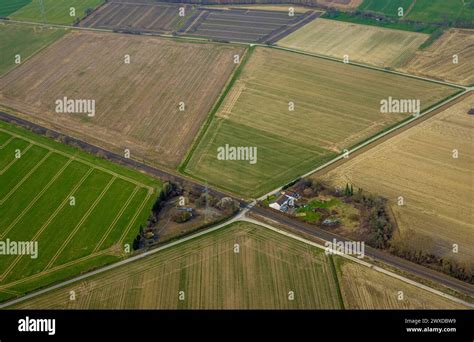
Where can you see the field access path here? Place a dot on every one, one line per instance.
(251, 206)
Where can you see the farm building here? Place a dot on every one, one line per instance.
(285, 201)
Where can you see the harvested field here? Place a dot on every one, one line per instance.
(79, 209)
(55, 11)
(25, 41)
(418, 165)
(335, 107)
(362, 43)
(437, 60)
(243, 25)
(212, 276)
(138, 17)
(367, 289)
(139, 108)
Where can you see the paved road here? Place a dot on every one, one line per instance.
(376, 254)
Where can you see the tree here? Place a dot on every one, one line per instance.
(136, 243)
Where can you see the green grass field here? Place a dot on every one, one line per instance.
(387, 7)
(428, 11)
(23, 40)
(55, 11)
(261, 275)
(335, 107)
(8, 7)
(36, 189)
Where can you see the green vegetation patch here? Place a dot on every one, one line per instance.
(55, 11)
(8, 7)
(442, 12)
(80, 210)
(24, 41)
(278, 160)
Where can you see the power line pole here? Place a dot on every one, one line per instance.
(42, 11)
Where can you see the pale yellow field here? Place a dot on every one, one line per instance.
(362, 43)
(436, 188)
(364, 288)
(437, 60)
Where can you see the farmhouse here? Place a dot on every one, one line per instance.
(285, 201)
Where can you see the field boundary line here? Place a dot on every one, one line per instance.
(114, 222)
(47, 223)
(25, 177)
(361, 262)
(46, 187)
(79, 159)
(7, 142)
(5, 169)
(134, 218)
(214, 110)
(79, 224)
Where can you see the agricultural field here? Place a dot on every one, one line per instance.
(161, 18)
(268, 266)
(55, 11)
(366, 289)
(436, 61)
(420, 166)
(298, 112)
(152, 107)
(11, 6)
(80, 210)
(362, 43)
(24, 41)
(428, 11)
(244, 25)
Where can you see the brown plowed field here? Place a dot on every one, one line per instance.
(138, 17)
(137, 104)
